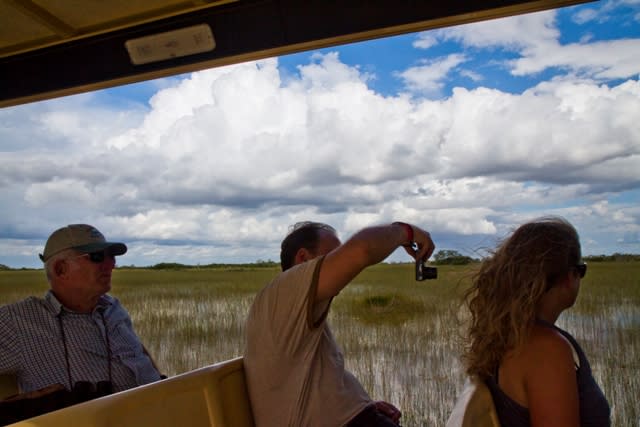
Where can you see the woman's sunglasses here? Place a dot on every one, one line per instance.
(581, 269)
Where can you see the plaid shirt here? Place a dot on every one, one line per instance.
(32, 345)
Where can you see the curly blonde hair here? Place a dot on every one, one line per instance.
(507, 288)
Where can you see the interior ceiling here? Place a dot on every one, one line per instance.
(51, 48)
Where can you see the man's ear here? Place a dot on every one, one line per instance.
(60, 267)
(302, 255)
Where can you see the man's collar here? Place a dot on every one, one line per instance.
(53, 302)
(104, 302)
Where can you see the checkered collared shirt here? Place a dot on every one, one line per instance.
(33, 333)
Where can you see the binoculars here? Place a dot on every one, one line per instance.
(86, 390)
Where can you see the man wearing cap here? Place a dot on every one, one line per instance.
(77, 333)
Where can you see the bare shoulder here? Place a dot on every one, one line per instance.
(534, 365)
(548, 342)
(549, 349)
(550, 379)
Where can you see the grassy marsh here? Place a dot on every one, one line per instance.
(400, 337)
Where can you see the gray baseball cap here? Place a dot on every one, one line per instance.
(82, 238)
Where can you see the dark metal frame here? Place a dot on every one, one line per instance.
(243, 30)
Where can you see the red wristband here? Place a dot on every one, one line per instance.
(409, 230)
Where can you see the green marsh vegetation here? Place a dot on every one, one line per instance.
(400, 337)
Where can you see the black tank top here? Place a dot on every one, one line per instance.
(594, 408)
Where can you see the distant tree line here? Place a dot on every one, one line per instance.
(614, 257)
(451, 257)
(178, 266)
(7, 268)
(442, 257)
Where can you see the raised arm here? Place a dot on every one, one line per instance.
(367, 247)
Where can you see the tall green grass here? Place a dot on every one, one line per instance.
(400, 337)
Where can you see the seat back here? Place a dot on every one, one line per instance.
(8, 385)
(474, 407)
(213, 396)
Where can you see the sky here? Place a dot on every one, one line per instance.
(465, 131)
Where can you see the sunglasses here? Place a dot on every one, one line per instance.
(96, 257)
(581, 269)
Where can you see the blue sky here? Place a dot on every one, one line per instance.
(466, 131)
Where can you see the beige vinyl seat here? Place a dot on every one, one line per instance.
(474, 407)
(212, 396)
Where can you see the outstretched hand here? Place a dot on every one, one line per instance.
(425, 245)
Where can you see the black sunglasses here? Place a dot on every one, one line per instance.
(581, 269)
(96, 257)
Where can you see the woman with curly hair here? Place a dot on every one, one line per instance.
(537, 373)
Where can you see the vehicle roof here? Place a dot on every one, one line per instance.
(56, 48)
